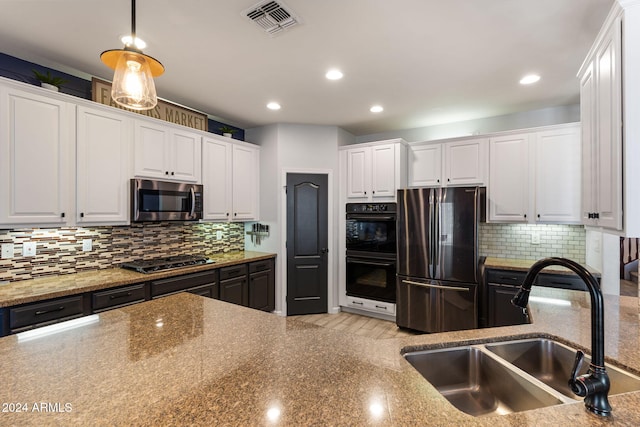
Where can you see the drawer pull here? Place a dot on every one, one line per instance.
(41, 312)
(381, 306)
(508, 278)
(561, 283)
(128, 294)
(357, 302)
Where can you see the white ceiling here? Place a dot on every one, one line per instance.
(426, 61)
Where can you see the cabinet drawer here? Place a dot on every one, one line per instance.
(370, 305)
(562, 281)
(203, 291)
(119, 297)
(2, 326)
(181, 283)
(233, 271)
(260, 266)
(45, 312)
(506, 277)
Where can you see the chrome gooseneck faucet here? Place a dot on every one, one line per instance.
(593, 386)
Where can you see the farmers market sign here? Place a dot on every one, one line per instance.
(101, 93)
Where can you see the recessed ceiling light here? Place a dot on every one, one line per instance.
(528, 79)
(334, 74)
(376, 109)
(139, 43)
(273, 106)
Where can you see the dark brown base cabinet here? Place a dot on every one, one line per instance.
(251, 285)
(502, 285)
(234, 285)
(262, 285)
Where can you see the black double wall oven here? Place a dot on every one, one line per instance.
(371, 251)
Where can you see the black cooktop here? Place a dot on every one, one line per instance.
(159, 264)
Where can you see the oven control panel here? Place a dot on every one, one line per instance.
(371, 207)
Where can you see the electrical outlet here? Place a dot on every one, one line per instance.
(87, 245)
(535, 238)
(29, 249)
(7, 250)
(218, 235)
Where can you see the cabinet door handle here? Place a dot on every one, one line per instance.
(227, 213)
(128, 294)
(365, 193)
(62, 215)
(438, 181)
(41, 312)
(448, 180)
(81, 214)
(166, 172)
(172, 173)
(525, 215)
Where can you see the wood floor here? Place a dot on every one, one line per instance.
(356, 324)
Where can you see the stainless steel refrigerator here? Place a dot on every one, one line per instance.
(438, 261)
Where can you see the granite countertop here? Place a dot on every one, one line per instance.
(525, 265)
(42, 288)
(189, 360)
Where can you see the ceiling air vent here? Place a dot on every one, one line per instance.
(273, 17)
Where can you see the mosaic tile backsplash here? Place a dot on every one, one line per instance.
(59, 250)
(515, 241)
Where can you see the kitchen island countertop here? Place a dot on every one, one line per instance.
(189, 360)
(48, 287)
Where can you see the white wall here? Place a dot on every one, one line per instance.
(294, 148)
(523, 120)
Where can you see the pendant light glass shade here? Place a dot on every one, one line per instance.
(133, 85)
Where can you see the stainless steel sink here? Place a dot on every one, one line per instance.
(551, 362)
(478, 384)
(509, 376)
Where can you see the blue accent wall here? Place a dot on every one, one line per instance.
(21, 70)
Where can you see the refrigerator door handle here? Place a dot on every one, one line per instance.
(426, 285)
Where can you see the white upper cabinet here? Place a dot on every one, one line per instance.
(375, 171)
(246, 171)
(509, 178)
(557, 175)
(166, 152)
(103, 149)
(425, 165)
(452, 163)
(359, 173)
(230, 178)
(601, 115)
(465, 162)
(35, 158)
(216, 179)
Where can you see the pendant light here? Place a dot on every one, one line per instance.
(133, 85)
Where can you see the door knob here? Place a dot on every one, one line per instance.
(324, 250)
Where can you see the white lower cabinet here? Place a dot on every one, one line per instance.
(36, 148)
(230, 180)
(371, 305)
(103, 149)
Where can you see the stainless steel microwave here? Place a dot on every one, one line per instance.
(153, 200)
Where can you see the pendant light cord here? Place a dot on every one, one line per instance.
(133, 21)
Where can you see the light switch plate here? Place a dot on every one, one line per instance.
(29, 249)
(87, 245)
(218, 235)
(7, 250)
(535, 238)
